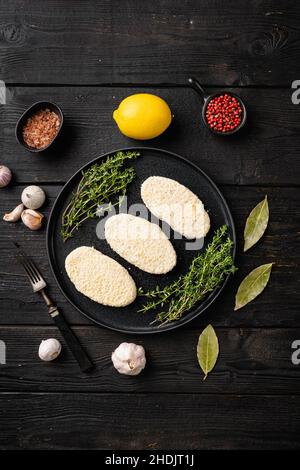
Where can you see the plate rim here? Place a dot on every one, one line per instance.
(191, 315)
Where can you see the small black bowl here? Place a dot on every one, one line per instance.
(207, 98)
(30, 112)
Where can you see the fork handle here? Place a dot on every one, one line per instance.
(72, 341)
(70, 338)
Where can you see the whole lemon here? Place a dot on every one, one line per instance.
(143, 116)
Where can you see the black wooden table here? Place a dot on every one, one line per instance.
(86, 56)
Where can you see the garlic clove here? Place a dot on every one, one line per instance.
(32, 219)
(129, 358)
(49, 349)
(5, 176)
(33, 197)
(15, 214)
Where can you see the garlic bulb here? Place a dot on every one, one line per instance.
(5, 176)
(33, 197)
(15, 214)
(49, 349)
(129, 358)
(32, 219)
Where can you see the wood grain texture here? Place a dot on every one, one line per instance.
(277, 306)
(141, 421)
(265, 152)
(103, 42)
(251, 361)
(62, 51)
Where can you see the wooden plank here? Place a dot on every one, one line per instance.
(102, 42)
(264, 153)
(251, 361)
(134, 422)
(277, 306)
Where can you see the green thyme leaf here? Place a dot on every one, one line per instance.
(206, 272)
(98, 184)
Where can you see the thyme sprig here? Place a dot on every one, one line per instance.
(205, 273)
(98, 184)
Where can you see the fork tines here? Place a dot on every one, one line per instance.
(28, 265)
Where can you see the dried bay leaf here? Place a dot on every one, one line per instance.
(207, 350)
(256, 224)
(253, 284)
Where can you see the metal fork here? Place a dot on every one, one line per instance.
(38, 285)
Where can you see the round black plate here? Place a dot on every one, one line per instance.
(127, 319)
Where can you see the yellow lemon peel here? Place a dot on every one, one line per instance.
(143, 116)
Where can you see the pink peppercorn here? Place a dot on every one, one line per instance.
(224, 113)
